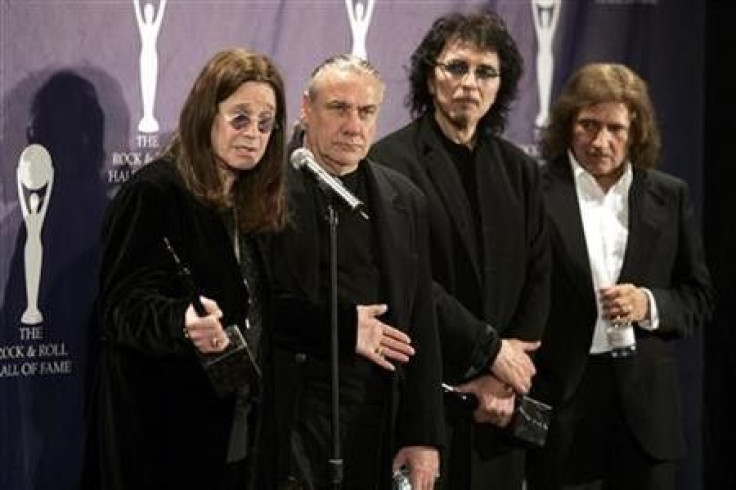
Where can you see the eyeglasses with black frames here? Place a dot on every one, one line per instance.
(242, 120)
(460, 68)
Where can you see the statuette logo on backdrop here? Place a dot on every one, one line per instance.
(359, 14)
(546, 13)
(35, 176)
(149, 24)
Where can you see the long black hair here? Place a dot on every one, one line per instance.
(485, 31)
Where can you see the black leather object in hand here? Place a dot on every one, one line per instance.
(529, 423)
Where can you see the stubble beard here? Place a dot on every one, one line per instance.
(457, 119)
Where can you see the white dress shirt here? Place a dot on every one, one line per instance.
(605, 217)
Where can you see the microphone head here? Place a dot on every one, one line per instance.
(300, 157)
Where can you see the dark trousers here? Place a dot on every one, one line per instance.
(363, 431)
(236, 476)
(590, 445)
(478, 456)
(239, 475)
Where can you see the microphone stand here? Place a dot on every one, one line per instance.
(335, 462)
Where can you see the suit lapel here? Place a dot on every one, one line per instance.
(495, 200)
(645, 211)
(391, 222)
(304, 242)
(564, 212)
(444, 177)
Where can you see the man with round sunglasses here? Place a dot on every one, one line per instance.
(488, 241)
(190, 225)
(240, 121)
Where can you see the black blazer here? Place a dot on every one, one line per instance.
(664, 253)
(398, 212)
(510, 262)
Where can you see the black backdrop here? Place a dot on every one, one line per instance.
(719, 224)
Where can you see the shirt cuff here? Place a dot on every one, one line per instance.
(653, 322)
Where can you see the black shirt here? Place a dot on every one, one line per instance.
(465, 162)
(358, 278)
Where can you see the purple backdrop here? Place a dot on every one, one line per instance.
(77, 77)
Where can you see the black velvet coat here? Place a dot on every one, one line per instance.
(509, 263)
(156, 422)
(301, 328)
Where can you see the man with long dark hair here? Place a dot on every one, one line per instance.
(157, 422)
(629, 278)
(490, 256)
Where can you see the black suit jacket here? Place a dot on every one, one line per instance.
(510, 261)
(398, 213)
(664, 253)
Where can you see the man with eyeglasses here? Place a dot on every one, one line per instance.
(489, 248)
(389, 367)
(240, 121)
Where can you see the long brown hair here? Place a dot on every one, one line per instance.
(258, 193)
(605, 82)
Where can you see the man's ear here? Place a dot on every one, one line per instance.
(305, 109)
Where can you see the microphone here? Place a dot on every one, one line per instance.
(303, 159)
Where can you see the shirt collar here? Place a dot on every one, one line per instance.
(586, 183)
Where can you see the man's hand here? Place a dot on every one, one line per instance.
(378, 342)
(495, 400)
(513, 365)
(423, 463)
(206, 332)
(624, 303)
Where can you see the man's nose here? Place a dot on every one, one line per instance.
(353, 122)
(470, 79)
(602, 137)
(251, 130)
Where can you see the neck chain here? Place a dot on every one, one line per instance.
(236, 234)
(239, 258)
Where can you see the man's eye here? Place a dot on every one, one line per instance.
(240, 121)
(617, 129)
(588, 125)
(457, 68)
(266, 124)
(485, 72)
(338, 107)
